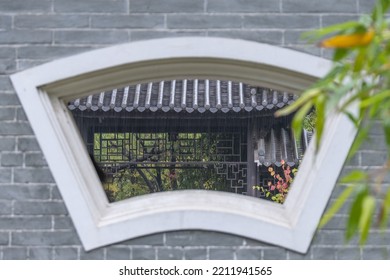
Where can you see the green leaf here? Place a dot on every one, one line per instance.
(336, 206)
(361, 137)
(368, 207)
(354, 176)
(335, 28)
(385, 210)
(304, 98)
(339, 54)
(374, 99)
(297, 122)
(320, 104)
(355, 212)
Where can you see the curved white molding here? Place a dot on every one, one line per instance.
(43, 89)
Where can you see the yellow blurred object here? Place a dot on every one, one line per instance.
(349, 41)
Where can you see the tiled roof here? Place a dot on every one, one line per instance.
(185, 95)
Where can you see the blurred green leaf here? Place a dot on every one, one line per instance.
(302, 100)
(336, 206)
(385, 210)
(355, 212)
(297, 122)
(368, 207)
(355, 176)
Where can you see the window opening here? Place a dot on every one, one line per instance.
(190, 134)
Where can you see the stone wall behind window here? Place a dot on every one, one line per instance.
(34, 223)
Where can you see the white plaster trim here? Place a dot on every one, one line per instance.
(43, 89)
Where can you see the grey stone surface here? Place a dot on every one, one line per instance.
(262, 6)
(269, 37)
(5, 207)
(25, 37)
(248, 254)
(7, 66)
(272, 21)
(20, 115)
(47, 52)
(379, 253)
(274, 254)
(202, 238)
(4, 238)
(7, 114)
(97, 254)
(33, 175)
(63, 223)
(349, 253)
(195, 253)
(40, 253)
(90, 37)
(65, 253)
(20, 6)
(14, 253)
(5, 22)
(334, 19)
(319, 6)
(373, 158)
(51, 21)
(5, 175)
(7, 143)
(366, 6)
(11, 159)
(92, 6)
(153, 240)
(15, 223)
(320, 253)
(35, 159)
(118, 253)
(146, 35)
(15, 128)
(221, 254)
(133, 21)
(167, 6)
(28, 144)
(143, 253)
(169, 254)
(39, 208)
(23, 192)
(201, 21)
(44, 238)
(8, 99)
(5, 83)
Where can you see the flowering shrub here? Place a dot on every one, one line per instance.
(278, 188)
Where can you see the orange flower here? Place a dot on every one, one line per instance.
(349, 40)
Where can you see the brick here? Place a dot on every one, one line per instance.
(51, 21)
(366, 6)
(143, 254)
(27, 144)
(5, 22)
(338, 222)
(5, 175)
(11, 159)
(374, 143)
(63, 223)
(19, 6)
(324, 253)
(48, 52)
(56, 238)
(5, 84)
(7, 99)
(7, 114)
(221, 254)
(203, 21)
(40, 253)
(24, 64)
(132, 21)
(200, 238)
(282, 21)
(332, 237)
(5, 207)
(14, 253)
(167, 6)
(7, 53)
(12, 223)
(118, 253)
(35, 159)
(55, 194)
(93, 6)
(67, 253)
(151, 240)
(269, 37)
(379, 238)
(20, 115)
(373, 158)
(375, 254)
(25, 37)
(195, 254)
(298, 256)
(169, 254)
(259, 6)
(33, 175)
(319, 6)
(91, 37)
(348, 254)
(39, 208)
(334, 19)
(7, 66)
(7, 144)
(275, 254)
(249, 254)
(146, 35)
(15, 128)
(294, 37)
(97, 254)
(4, 238)
(23, 192)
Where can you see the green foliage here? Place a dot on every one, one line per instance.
(357, 86)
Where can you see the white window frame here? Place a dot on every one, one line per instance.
(44, 90)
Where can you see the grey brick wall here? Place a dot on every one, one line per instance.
(34, 223)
